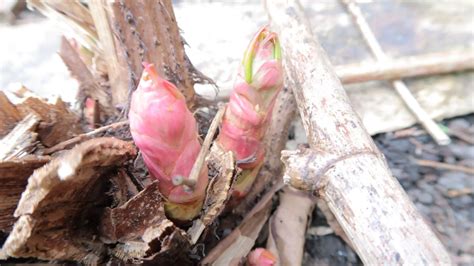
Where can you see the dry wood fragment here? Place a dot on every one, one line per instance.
(405, 67)
(72, 141)
(139, 216)
(117, 73)
(287, 226)
(21, 140)
(60, 205)
(433, 129)
(223, 170)
(232, 249)
(136, 226)
(9, 115)
(13, 179)
(343, 166)
(57, 124)
(88, 84)
(72, 13)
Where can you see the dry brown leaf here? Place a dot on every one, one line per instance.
(57, 124)
(141, 231)
(73, 14)
(235, 247)
(9, 115)
(21, 140)
(287, 227)
(57, 213)
(13, 179)
(88, 85)
(140, 214)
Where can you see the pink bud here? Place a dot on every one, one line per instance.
(250, 106)
(165, 131)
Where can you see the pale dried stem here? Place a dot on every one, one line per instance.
(343, 166)
(445, 166)
(99, 10)
(234, 247)
(200, 160)
(397, 68)
(405, 67)
(287, 226)
(422, 116)
(63, 145)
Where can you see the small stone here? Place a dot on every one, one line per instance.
(459, 123)
(462, 201)
(453, 180)
(425, 198)
(413, 194)
(462, 151)
(423, 209)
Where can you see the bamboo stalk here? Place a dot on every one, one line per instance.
(343, 166)
(398, 68)
(433, 129)
(405, 67)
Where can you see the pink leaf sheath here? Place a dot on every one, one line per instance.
(249, 110)
(261, 257)
(166, 133)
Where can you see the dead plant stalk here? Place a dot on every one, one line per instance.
(343, 165)
(433, 129)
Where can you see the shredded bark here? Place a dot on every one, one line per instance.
(57, 124)
(9, 115)
(58, 211)
(14, 178)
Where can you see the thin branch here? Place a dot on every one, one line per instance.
(445, 166)
(199, 163)
(404, 67)
(397, 68)
(63, 145)
(433, 129)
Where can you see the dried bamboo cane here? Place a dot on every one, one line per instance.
(343, 166)
(403, 67)
(433, 129)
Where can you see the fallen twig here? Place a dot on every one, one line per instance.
(199, 163)
(63, 145)
(446, 166)
(398, 68)
(461, 135)
(433, 129)
(404, 67)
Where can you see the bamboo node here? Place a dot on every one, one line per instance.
(306, 169)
